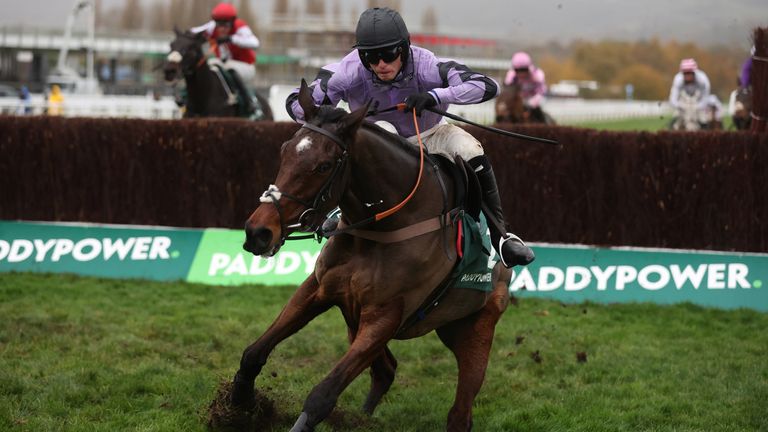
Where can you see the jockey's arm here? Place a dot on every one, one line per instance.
(674, 92)
(206, 28)
(245, 38)
(540, 89)
(321, 94)
(705, 89)
(460, 84)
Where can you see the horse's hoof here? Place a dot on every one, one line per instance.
(253, 414)
(301, 424)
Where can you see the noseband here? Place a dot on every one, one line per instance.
(307, 221)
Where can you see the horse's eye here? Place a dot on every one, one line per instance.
(324, 167)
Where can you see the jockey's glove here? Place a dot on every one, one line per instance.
(223, 39)
(419, 102)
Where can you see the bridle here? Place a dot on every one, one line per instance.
(307, 221)
(273, 194)
(176, 57)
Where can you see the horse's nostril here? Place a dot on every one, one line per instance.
(257, 239)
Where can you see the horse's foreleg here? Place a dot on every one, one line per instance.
(382, 375)
(470, 339)
(302, 308)
(378, 324)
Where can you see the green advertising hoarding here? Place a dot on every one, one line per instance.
(620, 275)
(98, 250)
(215, 256)
(221, 260)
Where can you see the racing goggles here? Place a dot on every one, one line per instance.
(388, 54)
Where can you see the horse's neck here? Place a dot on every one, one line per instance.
(204, 92)
(382, 174)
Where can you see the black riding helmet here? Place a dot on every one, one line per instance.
(381, 28)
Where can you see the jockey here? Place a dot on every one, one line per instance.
(385, 69)
(691, 80)
(235, 44)
(533, 87)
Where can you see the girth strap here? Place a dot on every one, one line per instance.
(405, 233)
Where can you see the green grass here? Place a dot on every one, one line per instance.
(649, 124)
(83, 354)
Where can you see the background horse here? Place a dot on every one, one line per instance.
(742, 117)
(337, 159)
(207, 95)
(689, 117)
(510, 108)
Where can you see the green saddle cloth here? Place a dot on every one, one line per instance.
(475, 268)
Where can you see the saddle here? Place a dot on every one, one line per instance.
(473, 244)
(236, 91)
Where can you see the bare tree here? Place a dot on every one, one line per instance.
(160, 18)
(132, 17)
(245, 12)
(316, 7)
(281, 8)
(429, 20)
(392, 4)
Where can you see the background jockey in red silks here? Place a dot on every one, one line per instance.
(533, 87)
(235, 45)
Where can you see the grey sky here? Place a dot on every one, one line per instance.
(702, 21)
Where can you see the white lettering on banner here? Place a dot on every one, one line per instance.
(78, 253)
(624, 275)
(285, 263)
(571, 284)
(87, 249)
(737, 275)
(688, 275)
(238, 266)
(141, 248)
(644, 277)
(716, 276)
(63, 247)
(602, 276)
(20, 250)
(260, 266)
(652, 277)
(159, 248)
(43, 248)
(4, 248)
(121, 247)
(219, 261)
(550, 278)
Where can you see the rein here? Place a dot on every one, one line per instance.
(273, 194)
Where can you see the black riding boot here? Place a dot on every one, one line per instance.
(508, 246)
(245, 94)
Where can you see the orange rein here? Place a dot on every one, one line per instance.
(393, 210)
(211, 49)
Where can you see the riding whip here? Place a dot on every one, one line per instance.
(401, 107)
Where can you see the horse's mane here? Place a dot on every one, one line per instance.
(330, 114)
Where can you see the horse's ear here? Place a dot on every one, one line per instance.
(176, 30)
(306, 102)
(351, 122)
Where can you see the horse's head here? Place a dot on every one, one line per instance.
(311, 178)
(185, 56)
(509, 105)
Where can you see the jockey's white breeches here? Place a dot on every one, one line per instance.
(450, 140)
(445, 139)
(246, 71)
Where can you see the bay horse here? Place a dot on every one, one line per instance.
(742, 112)
(510, 108)
(338, 159)
(207, 95)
